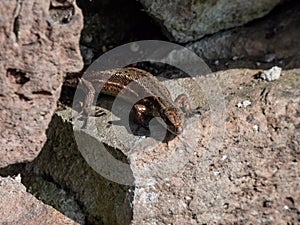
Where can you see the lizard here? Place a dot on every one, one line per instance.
(158, 102)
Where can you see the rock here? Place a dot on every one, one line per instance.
(243, 104)
(39, 45)
(86, 192)
(53, 194)
(19, 207)
(268, 35)
(186, 21)
(230, 165)
(252, 176)
(271, 74)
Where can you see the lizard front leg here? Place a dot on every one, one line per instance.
(144, 113)
(183, 102)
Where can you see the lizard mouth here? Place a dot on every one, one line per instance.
(176, 130)
(173, 120)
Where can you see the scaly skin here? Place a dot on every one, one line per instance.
(157, 101)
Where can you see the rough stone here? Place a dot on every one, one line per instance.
(18, 207)
(100, 200)
(252, 177)
(239, 165)
(39, 45)
(268, 40)
(186, 21)
(231, 165)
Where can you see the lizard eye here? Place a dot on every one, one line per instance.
(179, 130)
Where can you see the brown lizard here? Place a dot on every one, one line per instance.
(158, 103)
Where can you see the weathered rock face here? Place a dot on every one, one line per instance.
(39, 45)
(243, 167)
(19, 207)
(274, 39)
(253, 176)
(100, 200)
(186, 21)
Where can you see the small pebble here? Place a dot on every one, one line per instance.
(243, 104)
(272, 74)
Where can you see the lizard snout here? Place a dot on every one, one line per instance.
(174, 120)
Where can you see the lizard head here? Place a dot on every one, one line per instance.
(174, 119)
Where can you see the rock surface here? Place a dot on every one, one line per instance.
(273, 39)
(39, 45)
(239, 165)
(18, 207)
(252, 177)
(100, 200)
(186, 21)
(243, 167)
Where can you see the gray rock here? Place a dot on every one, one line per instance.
(186, 21)
(230, 164)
